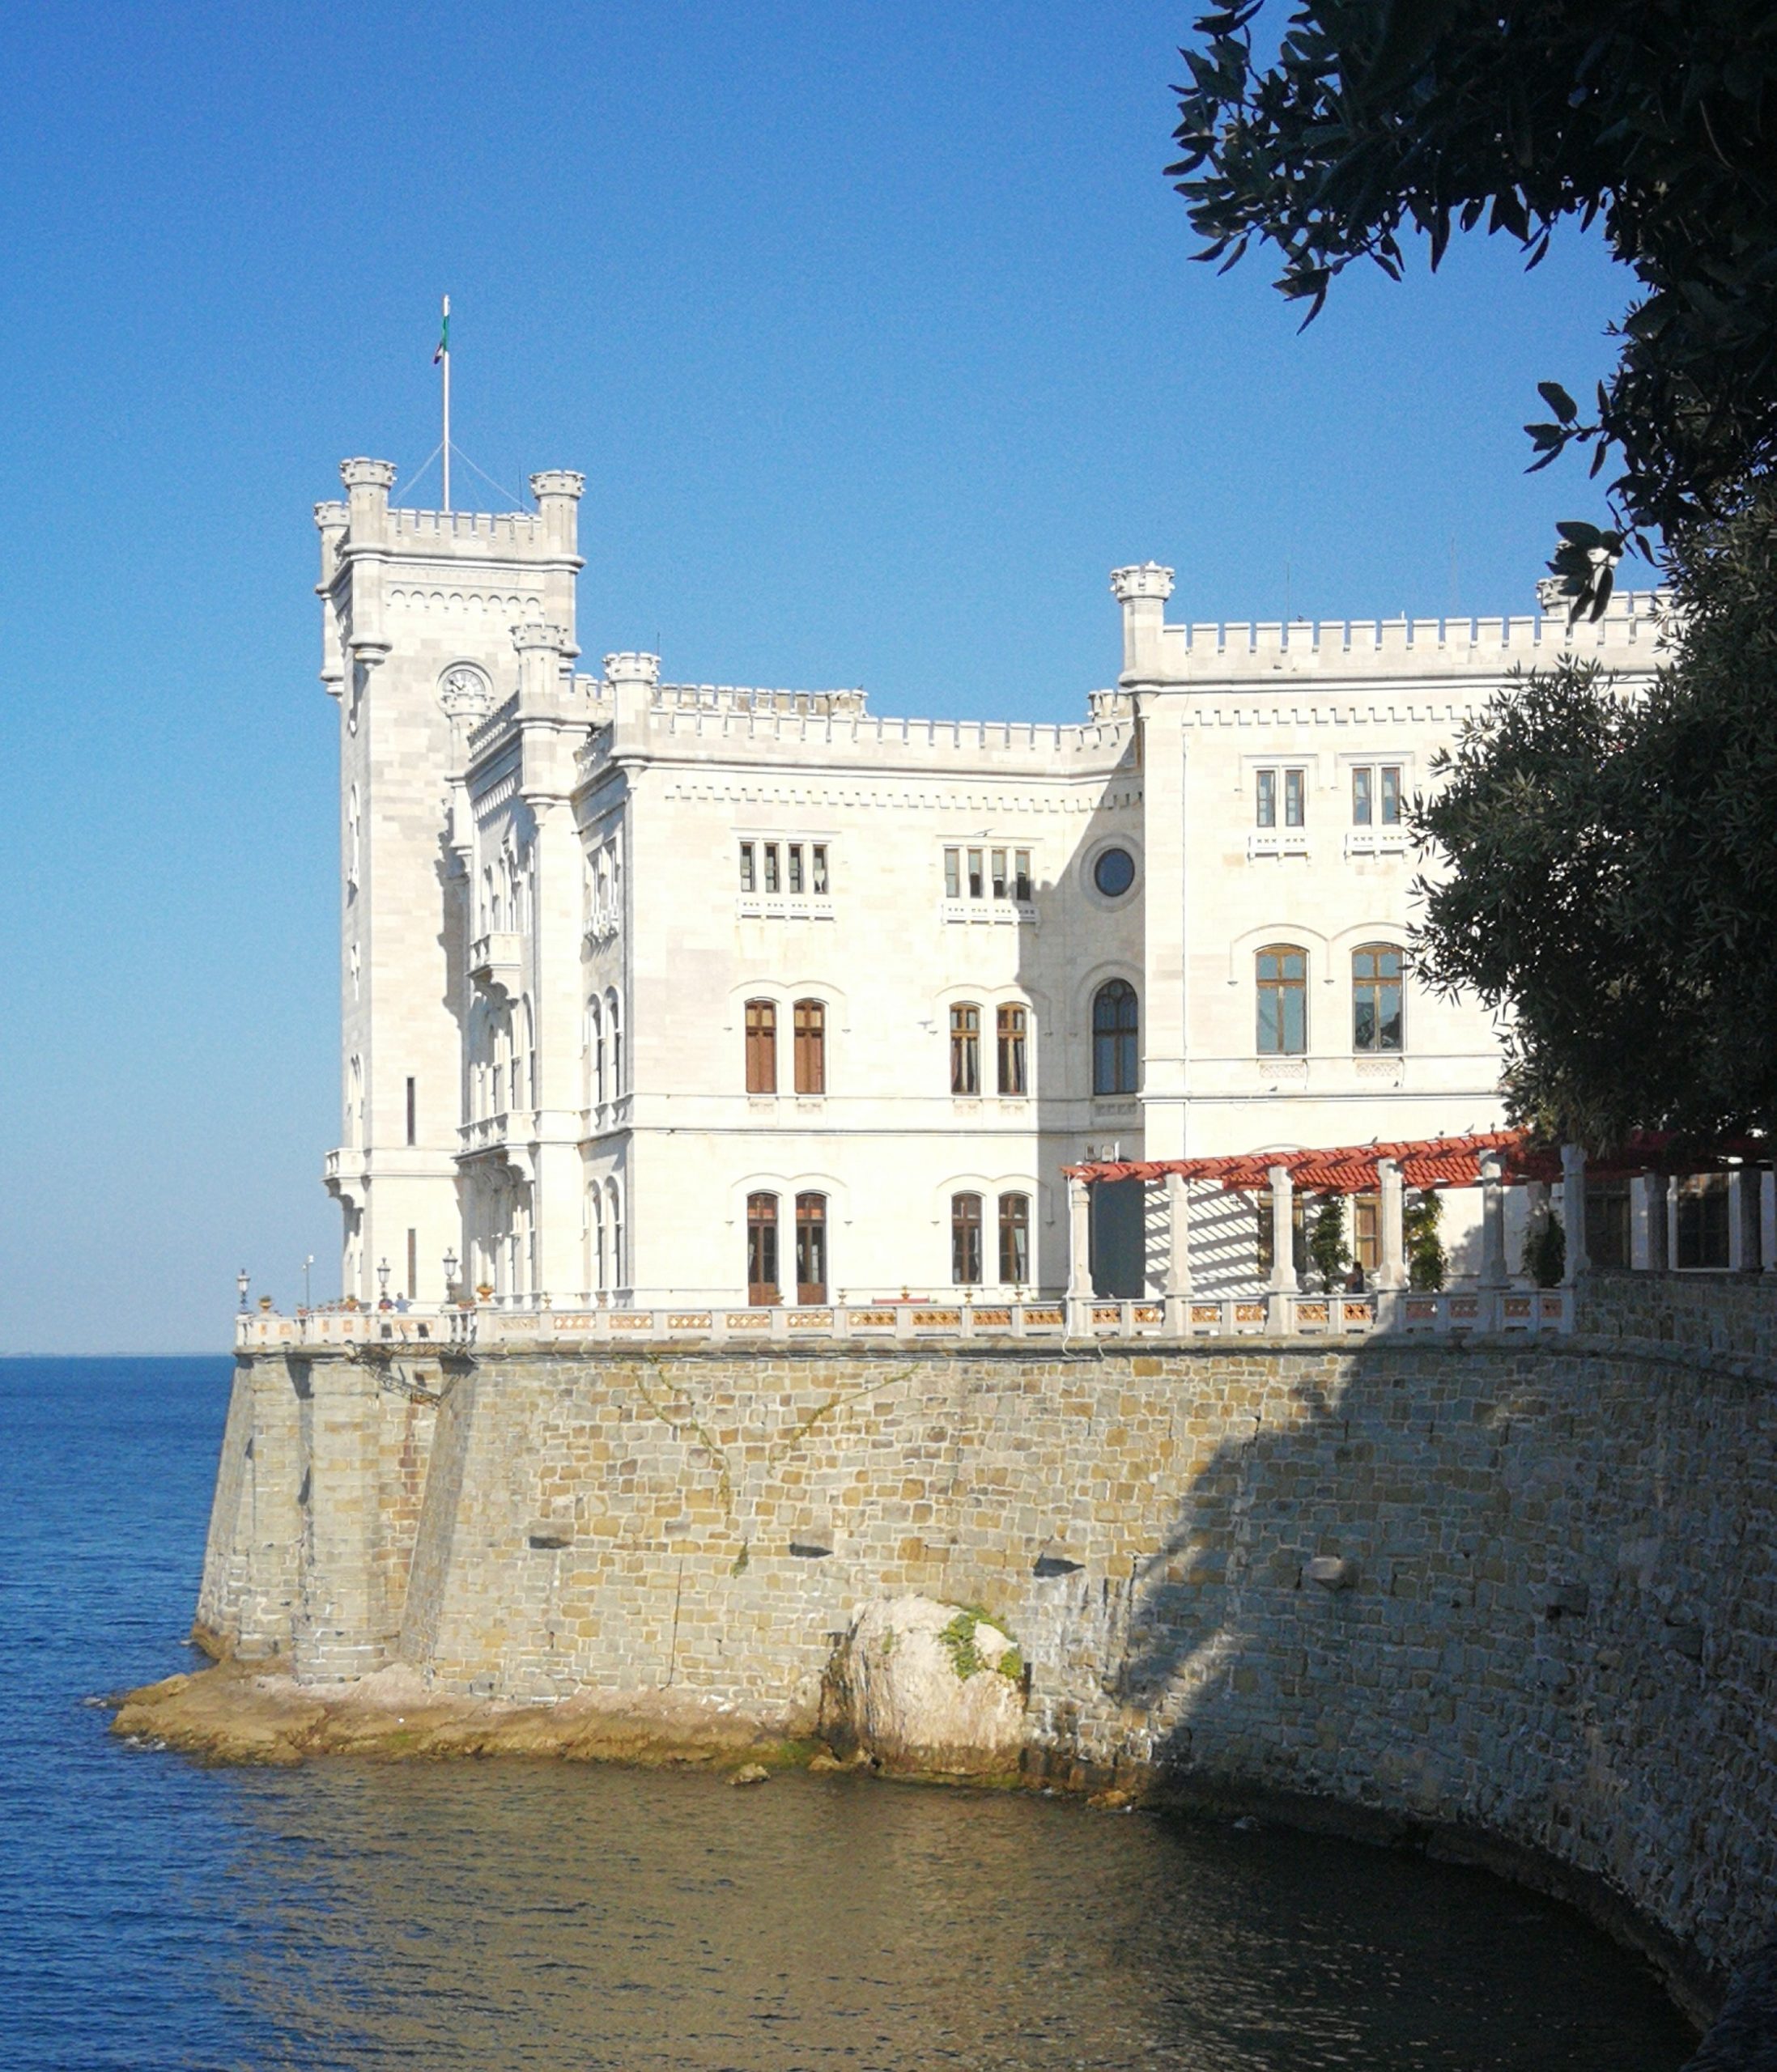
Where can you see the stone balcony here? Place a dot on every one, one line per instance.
(496, 962)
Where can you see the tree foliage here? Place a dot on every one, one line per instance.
(1612, 866)
(1327, 1247)
(1422, 1224)
(1657, 118)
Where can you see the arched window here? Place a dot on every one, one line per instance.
(595, 1055)
(525, 1056)
(352, 841)
(1115, 1027)
(1014, 1241)
(811, 1042)
(966, 1240)
(965, 1048)
(1282, 971)
(596, 1234)
(614, 1209)
(761, 1251)
(1013, 1028)
(762, 1046)
(1375, 997)
(354, 1105)
(811, 1248)
(615, 1021)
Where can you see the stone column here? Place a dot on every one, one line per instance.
(1390, 1277)
(1672, 1219)
(1573, 1212)
(1079, 1255)
(1767, 1218)
(1647, 1223)
(1283, 1283)
(1494, 1272)
(1178, 1279)
(1737, 1221)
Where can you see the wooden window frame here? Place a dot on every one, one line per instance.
(966, 1049)
(1370, 989)
(811, 1269)
(808, 1019)
(764, 1291)
(1281, 988)
(1014, 1221)
(1012, 1028)
(966, 1258)
(1116, 1033)
(761, 1039)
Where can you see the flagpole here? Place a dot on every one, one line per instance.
(445, 354)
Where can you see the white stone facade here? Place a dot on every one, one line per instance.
(630, 970)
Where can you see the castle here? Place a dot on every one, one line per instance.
(659, 993)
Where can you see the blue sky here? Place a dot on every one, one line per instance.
(874, 332)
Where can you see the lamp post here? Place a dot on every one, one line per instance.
(382, 1279)
(243, 1281)
(307, 1293)
(450, 1275)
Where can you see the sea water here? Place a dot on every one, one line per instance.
(508, 1917)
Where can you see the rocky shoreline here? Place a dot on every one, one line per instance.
(236, 1711)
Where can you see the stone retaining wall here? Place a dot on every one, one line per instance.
(1522, 1592)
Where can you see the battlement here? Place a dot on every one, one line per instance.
(1629, 637)
(367, 522)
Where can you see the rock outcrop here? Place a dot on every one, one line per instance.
(928, 1688)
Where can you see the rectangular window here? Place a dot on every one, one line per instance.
(761, 1047)
(810, 1046)
(796, 866)
(965, 1048)
(953, 873)
(413, 1265)
(1360, 802)
(1607, 1222)
(1265, 794)
(1012, 1034)
(771, 867)
(1702, 1219)
(966, 1240)
(1390, 774)
(1014, 1241)
(817, 867)
(749, 874)
(1296, 786)
(975, 886)
(1366, 1231)
(999, 874)
(412, 1114)
(1020, 861)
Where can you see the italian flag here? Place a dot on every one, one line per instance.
(444, 336)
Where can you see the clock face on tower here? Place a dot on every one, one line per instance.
(464, 692)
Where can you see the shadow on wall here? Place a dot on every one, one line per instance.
(1083, 941)
(1523, 1592)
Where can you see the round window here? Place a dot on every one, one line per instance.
(1114, 873)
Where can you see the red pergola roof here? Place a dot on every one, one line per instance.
(1432, 1161)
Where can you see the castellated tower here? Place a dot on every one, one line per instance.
(418, 613)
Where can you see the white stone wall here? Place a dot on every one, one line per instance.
(546, 924)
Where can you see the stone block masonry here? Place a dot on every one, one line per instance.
(1524, 1589)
